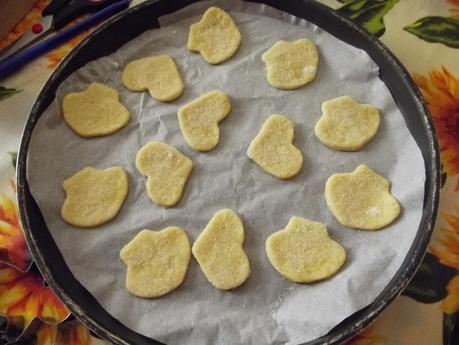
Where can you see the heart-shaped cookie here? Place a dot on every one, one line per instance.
(216, 36)
(157, 261)
(346, 125)
(93, 197)
(95, 112)
(199, 120)
(157, 74)
(273, 149)
(219, 252)
(291, 65)
(303, 252)
(361, 199)
(167, 171)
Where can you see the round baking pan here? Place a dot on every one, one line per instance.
(132, 22)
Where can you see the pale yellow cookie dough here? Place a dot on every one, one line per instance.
(303, 252)
(346, 125)
(167, 171)
(199, 120)
(93, 197)
(157, 261)
(291, 65)
(216, 36)
(157, 74)
(219, 251)
(95, 112)
(361, 199)
(272, 148)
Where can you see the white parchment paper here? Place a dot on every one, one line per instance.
(267, 308)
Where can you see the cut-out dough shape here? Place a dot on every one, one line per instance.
(95, 112)
(272, 148)
(167, 171)
(303, 252)
(361, 199)
(199, 120)
(219, 251)
(216, 36)
(93, 197)
(346, 125)
(157, 261)
(157, 74)
(291, 65)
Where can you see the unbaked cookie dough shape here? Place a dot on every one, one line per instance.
(291, 65)
(216, 36)
(347, 125)
(361, 199)
(167, 171)
(93, 197)
(157, 261)
(96, 111)
(157, 74)
(273, 150)
(199, 120)
(303, 252)
(219, 252)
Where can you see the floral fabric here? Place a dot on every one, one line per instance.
(423, 34)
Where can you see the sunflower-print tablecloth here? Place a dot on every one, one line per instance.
(423, 34)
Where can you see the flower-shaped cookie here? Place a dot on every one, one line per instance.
(157, 74)
(361, 199)
(94, 196)
(291, 65)
(95, 112)
(272, 148)
(219, 252)
(346, 125)
(215, 36)
(167, 171)
(157, 261)
(303, 252)
(199, 120)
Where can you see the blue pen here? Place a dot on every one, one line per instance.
(14, 62)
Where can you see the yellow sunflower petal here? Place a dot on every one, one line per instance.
(13, 247)
(24, 295)
(420, 80)
(46, 334)
(441, 92)
(74, 334)
(11, 296)
(450, 304)
(445, 243)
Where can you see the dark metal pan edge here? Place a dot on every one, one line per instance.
(78, 299)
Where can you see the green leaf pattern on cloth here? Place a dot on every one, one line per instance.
(368, 14)
(436, 29)
(429, 283)
(13, 156)
(6, 92)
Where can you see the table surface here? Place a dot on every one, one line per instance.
(423, 34)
